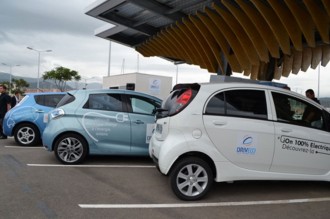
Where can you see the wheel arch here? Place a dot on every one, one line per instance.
(69, 132)
(25, 122)
(200, 155)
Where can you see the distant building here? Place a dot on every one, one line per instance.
(35, 90)
(158, 86)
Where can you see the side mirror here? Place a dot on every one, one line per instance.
(160, 113)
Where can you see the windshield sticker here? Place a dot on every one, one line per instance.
(247, 144)
(98, 125)
(304, 146)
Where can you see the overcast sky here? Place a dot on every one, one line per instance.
(63, 27)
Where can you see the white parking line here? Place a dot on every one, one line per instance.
(214, 204)
(108, 166)
(25, 147)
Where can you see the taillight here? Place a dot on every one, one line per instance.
(179, 98)
(183, 99)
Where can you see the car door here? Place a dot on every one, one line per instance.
(142, 117)
(106, 123)
(237, 123)
(302, 145)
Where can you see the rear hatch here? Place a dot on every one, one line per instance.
(179, 98)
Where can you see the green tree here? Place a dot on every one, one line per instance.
(19, 85)
(61, 75)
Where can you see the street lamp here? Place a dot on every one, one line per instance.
(10, 73)
(38, 51)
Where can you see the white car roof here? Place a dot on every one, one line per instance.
(214, 86)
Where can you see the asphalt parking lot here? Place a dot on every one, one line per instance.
(35, 185)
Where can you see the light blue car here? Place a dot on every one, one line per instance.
(100, 122)
(27, 120)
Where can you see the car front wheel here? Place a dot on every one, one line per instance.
(27, 135)
(70, 149)
(191, 178)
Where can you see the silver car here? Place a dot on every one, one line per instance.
(100, 122)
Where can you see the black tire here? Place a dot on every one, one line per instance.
(71, 149)
(27, 135)
(191, 178)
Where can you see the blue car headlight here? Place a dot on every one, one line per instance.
(56, 113)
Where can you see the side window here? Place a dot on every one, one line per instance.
(52, 100)
(39, 100)
(103, 101)
(241, 103)
(143, 105)
(68, 98)
(295, 111)
(48, 100)
(216, 105)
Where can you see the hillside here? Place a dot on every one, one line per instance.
(50, 84)
(325, 101)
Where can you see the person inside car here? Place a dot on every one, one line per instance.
(311, 116)
(311, 95)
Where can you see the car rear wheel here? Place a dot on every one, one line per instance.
(27, 135)
(191, 178)
(70, 149)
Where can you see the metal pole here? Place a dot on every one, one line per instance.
(38, 51)
(177, 73)
(10, 74)
(318, 82)
(123, 67)
(38, 71)
(109, 62)
(138, 63)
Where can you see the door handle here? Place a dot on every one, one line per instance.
(40, 111)
(138, 122)
(286, 130)
(219, 123)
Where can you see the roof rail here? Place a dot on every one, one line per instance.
(221, 78)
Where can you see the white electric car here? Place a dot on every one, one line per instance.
(239, 131)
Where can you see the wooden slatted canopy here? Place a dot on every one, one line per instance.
(263, 39)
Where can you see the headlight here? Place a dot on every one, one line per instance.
(56, 113)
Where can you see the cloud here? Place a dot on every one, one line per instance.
(63, 27)
(36, 16)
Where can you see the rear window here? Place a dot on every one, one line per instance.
(68, 98)
(50, 100)
(179, 99)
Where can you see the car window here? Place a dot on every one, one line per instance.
(295, 111)
(50, 100)
(68, 98)
(143, 105)
(242, 103)
(103, 101)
